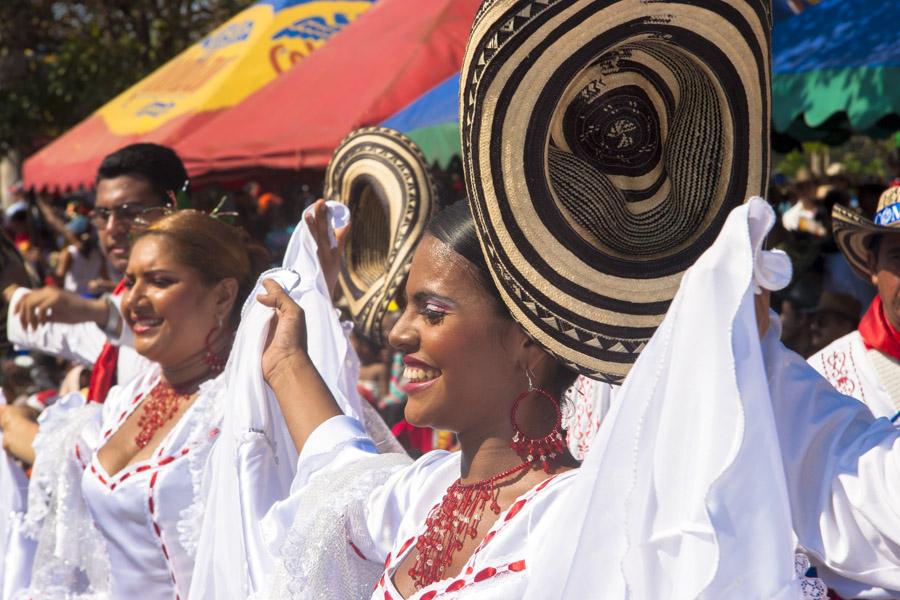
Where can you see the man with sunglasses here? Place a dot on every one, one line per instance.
(131, 182)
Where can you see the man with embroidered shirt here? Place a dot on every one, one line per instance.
(91, 331)
(865, 363)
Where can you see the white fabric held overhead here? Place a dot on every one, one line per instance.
(254, 461)
(684, 486)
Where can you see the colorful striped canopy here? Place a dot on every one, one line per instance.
(395, 53)
(222, 69)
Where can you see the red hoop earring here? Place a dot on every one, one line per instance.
(214, 360)
(543, 449)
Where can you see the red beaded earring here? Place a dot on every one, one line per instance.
(543, 449)
(214, 360)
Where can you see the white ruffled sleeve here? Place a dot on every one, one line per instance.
(70, 559)
(333, 534)
(842, 468)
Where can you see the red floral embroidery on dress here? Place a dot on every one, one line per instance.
(584, 423)
(843, 376)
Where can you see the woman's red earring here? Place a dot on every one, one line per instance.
(214, 360)
(543, 449)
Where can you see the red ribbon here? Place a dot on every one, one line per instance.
(103, 375)
(877, 332)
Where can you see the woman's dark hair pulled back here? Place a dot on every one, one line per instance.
(454, 227)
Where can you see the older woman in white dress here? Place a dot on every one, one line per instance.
(116, 498)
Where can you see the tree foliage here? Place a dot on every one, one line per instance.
(60, 61)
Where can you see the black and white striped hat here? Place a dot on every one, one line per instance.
(604, 143)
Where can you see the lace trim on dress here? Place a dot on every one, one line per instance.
(71, 559)
(811, 588)
(207, 419)
(378, 430)
(317, 559)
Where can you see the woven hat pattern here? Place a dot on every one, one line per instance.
(605, 143)
(853, 232)
(382, 176)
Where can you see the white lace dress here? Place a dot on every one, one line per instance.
(131, 534)
(374, 522)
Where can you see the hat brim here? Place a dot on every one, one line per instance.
(382, 176)
(853, 235)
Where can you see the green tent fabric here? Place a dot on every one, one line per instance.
(836, 69)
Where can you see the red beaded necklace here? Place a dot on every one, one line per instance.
(448, 524)
(161, 405)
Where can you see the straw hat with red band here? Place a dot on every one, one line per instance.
(853, 233)
(382, 176)
(604, 144)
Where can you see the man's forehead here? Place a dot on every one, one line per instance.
(125, 189)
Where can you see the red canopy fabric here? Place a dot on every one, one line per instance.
(384, 60)
(239, 57)
(70, 162)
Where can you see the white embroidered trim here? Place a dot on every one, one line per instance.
(811, 588)
(71, 559)
(316, 560)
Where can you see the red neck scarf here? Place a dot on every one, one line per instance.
(103, 375)
(877, 332)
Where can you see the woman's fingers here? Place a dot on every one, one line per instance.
(274, 297)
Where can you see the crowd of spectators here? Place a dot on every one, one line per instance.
(826, 299)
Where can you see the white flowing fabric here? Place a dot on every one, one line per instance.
(16, 551)
(254, 461)
(683, 494)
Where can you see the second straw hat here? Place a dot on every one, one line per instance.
(382, 176)
(853, 232)
(605, 142)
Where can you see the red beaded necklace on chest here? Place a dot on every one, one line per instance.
(450, 522)
(161, 405)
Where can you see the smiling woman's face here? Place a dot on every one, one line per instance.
(168, 306)
(460, 349)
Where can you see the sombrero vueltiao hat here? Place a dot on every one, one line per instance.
(853, 233)
(381, 175)
(605, 143)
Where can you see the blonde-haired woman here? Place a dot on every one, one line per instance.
(117, 495)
